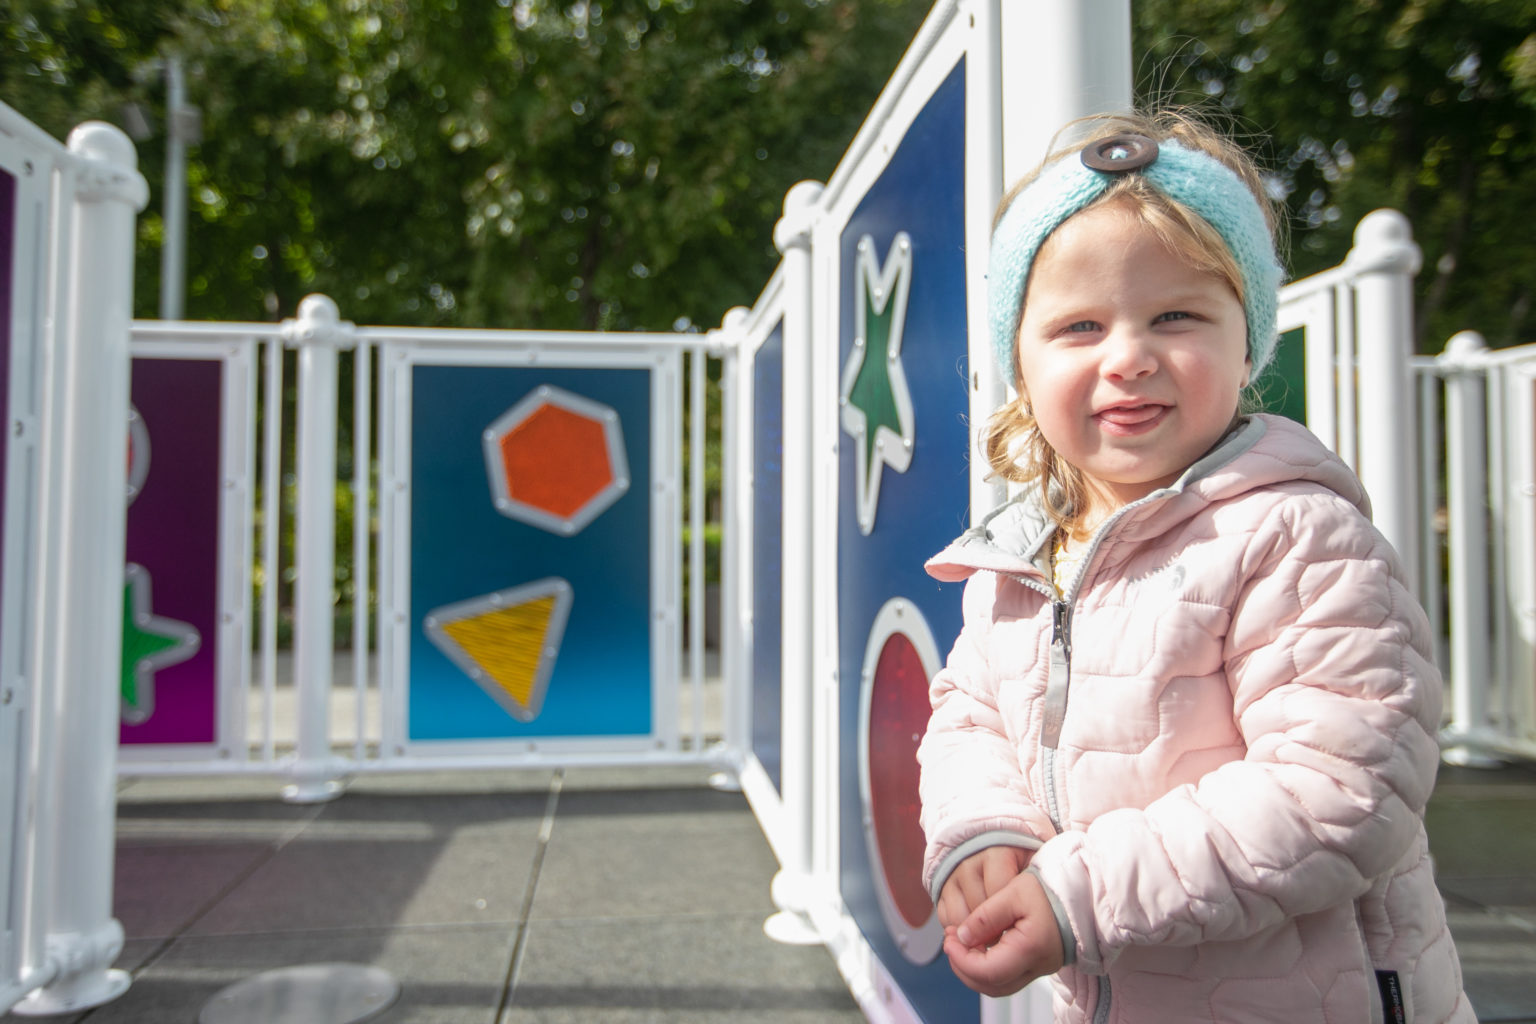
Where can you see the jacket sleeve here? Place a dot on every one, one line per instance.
(972, 788)
(1337, 701)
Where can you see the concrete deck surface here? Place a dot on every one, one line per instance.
(594, 896)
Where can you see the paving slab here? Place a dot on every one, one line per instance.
(386, 880)
(1498, 962)
(446, 976)
(366, 813)
(1482, 833)
(150, 907)
(717, 968)
(609, 864)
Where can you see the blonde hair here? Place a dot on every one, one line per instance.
(1015, 448)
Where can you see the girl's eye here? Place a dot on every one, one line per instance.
(1082, 327)
(1176, 314)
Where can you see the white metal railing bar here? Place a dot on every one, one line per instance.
(1498, 462)
(271, 532)
(735, 729)
(1520, 551)
(696, 572)
(1320, 284)
(1430, 447)
(1466, 435)
(362, 452)
(461, 337)
(205, 330)
(1347, 375)
(319, 334)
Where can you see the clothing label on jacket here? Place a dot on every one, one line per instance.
(1392, 1004)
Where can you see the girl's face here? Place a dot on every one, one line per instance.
(1132, 359)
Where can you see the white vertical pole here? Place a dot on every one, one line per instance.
(735, 467)
(317, 333)
(792, 885)
(1383, 263)
(173, 248)
(1517, 722)
(271, 529)
(1346, 361)
(362, 515)
(1466, 460)
(1063, 59)
(696, 431)
(984, 186)
(1431, 443)
(80, 625)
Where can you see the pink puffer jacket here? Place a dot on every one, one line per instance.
(1223, 778)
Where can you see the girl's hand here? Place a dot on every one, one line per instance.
(977, 877)
(1008, 941)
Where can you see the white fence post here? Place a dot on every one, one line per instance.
(79, 643)
(1515, 715)
(1466, 468)
(735, 473)
(317, 333)
(792, 885)
(1383, 262)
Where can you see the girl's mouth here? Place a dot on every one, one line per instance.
(1130, 420)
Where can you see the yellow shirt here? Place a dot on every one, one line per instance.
(1066, 558)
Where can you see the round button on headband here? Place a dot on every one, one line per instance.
(1193, 179)
(1119, 154)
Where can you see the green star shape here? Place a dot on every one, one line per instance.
(150, 643)
(876, 402)
(871, 393)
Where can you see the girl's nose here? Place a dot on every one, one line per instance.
(1127, 354)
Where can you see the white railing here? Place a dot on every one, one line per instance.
(1358, 325)
(1469, 543)
(1490, 524)
(68, 216)
(293, 718)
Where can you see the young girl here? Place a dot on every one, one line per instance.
(1180, 752)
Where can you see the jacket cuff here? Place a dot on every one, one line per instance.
(974, 845)
(1068, 940)
(1063, 876)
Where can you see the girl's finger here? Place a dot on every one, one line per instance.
(988, 921)
(998, 871)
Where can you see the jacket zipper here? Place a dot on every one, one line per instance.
(1050, 735)
(1101, 1012)
(1057, 690)
(1059, 681)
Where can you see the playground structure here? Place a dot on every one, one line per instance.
(530, 495)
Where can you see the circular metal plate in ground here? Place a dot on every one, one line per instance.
(307, 994)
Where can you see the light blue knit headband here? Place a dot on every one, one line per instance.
(1192, 179)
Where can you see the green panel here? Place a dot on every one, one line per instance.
(1283, 388)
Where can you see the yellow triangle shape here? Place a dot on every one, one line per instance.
(507, 644)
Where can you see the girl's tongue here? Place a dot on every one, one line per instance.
(1130, 415)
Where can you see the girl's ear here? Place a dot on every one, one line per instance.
(1247, 372)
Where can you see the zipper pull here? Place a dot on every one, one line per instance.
(1061, 614)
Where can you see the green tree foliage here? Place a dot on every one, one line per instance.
(513, 164)
(1426, 106)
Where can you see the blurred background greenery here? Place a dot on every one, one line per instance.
(620, 165)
